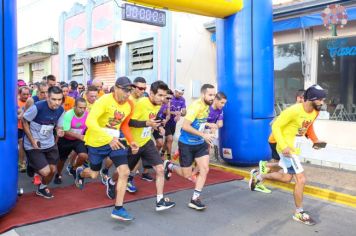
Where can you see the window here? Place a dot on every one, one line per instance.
(141, 55)
(336, 74)
(288, 75)
(75, 69)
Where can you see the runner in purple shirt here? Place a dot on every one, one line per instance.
(177, 110)
(164, 115)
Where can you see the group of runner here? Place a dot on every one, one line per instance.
(130, 128)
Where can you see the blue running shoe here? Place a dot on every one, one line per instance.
(121, 214)
(131, 188)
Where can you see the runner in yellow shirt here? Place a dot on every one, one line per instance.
(142, 124)
(292, 122)
(110, 113)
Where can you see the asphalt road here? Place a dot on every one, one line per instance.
(232, 210)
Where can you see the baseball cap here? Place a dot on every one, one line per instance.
(179, 88)
(21, 83)
(314, 92)
(123, 82)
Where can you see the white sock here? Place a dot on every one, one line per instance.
(196, 194)
(298, 210)
(159, 197)
(42, 186)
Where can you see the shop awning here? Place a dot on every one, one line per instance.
(307, 21)
(100, 51)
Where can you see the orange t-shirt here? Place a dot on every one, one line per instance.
(20, 105)
(68, 103)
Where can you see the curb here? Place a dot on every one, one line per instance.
(316, 192)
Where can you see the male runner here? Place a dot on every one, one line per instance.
(178, 109)
(110, 113)
(141, 124)
(294, 121)
(23, 95)
(38, 124)
(74, 128)
(193, 144)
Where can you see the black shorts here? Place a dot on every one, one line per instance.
(98, 154)
(66, 146)
(40, 158)
(149, 155)
(157, 135)
(275, 154)
(20, 133)
(170, 128)
(187, 153)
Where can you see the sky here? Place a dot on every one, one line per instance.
(38, 20)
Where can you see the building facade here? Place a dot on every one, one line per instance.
(95, 43)
(37, 60)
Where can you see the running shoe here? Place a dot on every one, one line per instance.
(253, 180)
(147, 177)
(57, 179)
(164, 204)
(131, 188)
(167, 171)
(69, 168)
(261, 188)
(304, 218)
(79, 181)
(44, 193)
(104, 176)
(110, 189)
(196, 204)
(121, 214)
(262, 167)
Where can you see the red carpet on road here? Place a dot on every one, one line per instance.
(70, 200)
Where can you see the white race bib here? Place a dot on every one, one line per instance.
(287, 162)
(76, 131)
(146, 132)
(298, 143)
(46, 129)
(112, 132)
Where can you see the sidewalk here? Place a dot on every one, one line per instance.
(338, 180)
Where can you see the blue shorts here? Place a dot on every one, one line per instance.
(98, 154)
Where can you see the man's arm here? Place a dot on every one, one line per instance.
(28, 116)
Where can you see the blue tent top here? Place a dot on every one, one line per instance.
(306, 21)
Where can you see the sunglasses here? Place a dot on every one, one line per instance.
(125, 89)
(140, 88)
(168, 98)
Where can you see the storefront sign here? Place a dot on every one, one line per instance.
(340, 48)
(143, 15)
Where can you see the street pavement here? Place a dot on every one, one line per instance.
(232, 210)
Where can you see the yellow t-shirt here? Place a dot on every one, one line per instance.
(144, 110)
(292, 122)
(134, 100)
(106, 115)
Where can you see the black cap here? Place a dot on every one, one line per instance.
(314, 92)
(123, 82)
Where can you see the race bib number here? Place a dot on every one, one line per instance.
(76, 131)
(146, 132)
(113, 132)
(46, 130)
(298, 144)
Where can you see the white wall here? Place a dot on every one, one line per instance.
(195, 51)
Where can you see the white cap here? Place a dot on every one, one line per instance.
(179, 88)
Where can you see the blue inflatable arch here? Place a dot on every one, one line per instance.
(245, 74)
